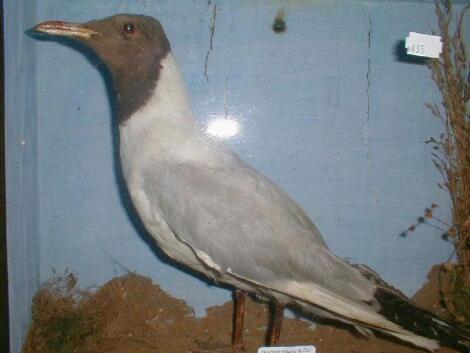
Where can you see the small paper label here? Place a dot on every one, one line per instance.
(293, 349)
(423, 45)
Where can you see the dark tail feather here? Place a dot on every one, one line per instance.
(398, 308)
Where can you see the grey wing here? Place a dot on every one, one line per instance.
(241, 224)
(248, 225)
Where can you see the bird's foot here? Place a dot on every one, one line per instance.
(206, 347)
(238, 349)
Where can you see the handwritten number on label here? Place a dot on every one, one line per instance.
(417, 49)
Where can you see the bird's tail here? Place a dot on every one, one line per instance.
(397, 307)
(405, 313)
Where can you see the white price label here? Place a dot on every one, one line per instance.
(293, 349)
(423, 45)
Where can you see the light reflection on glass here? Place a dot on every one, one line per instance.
(223, 128)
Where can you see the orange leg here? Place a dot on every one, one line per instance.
(276, 324)
(237, 334)
(240, 302)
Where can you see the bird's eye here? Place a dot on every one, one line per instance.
(129, 28)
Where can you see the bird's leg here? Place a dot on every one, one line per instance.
(237, 333)
(237, 339)
(276, 324)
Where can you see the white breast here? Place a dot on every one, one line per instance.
(161, 134)
(160, 128)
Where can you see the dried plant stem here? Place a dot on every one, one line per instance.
(452, 150)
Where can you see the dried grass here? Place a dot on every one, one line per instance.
(127, 314)
(451, 152)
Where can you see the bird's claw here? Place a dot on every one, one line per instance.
(238, 349)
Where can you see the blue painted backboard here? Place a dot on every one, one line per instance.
(330, 110)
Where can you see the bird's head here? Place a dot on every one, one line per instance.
(131, 46)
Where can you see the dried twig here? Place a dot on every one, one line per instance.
(451, 151)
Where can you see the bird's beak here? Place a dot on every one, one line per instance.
(66, 29)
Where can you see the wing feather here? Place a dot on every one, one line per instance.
(243, 221)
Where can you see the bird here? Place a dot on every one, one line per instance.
(210, 211)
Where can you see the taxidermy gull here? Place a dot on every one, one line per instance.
(210, 211)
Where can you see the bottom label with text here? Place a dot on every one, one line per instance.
(293, 349)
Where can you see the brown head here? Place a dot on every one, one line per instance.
(131, 46)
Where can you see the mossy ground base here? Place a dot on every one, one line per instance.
(130, 314)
